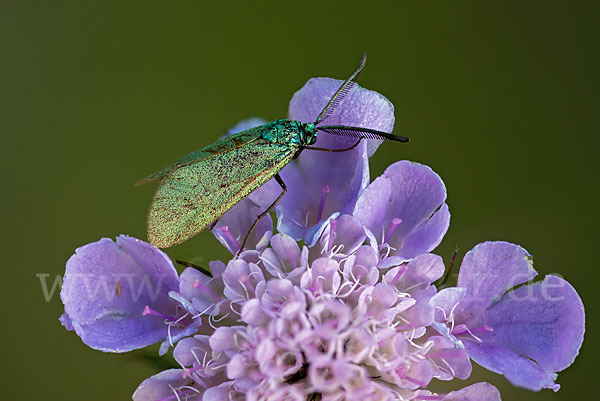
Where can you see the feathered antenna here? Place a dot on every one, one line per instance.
(344, 89)
(353, 132)
(365, 133)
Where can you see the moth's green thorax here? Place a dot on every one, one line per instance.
(199, 188)
(290, 132)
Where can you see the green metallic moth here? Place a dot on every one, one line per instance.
(196, 190)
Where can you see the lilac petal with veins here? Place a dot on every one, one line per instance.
(223, 338)
(418, 274)
(284, 257)
(108, 285)
(156, 263)
(165, 385)
(193, 350)
(428, 234)
(453, 361)
(242, 280)
(518, 370)
(418, 315)
(224, 391)
(313, 233)
(446, 300)
(357, 272)
(346, 231)
(202, 290)
(405, 208)
(366, 257)
(233, 226)
(371, 209)
(278, 293)
(537, 330)
(475, 392)
(253, 314)
(287, 249)
(490, 269)
(324, 276)
(543, 321)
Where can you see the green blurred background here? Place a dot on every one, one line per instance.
(501, 99)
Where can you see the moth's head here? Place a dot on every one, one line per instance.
(311, 133)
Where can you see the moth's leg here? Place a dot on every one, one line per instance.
(263, 214)
(189, 264)
(335, 150)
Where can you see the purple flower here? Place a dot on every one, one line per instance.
(528, 332)
(339, 302)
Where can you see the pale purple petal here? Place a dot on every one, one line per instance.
(539, 326)
(157, 264)
(253, 313)
(365, 257)
(161, 386)
(444, 303)
(544, 322)
(223, 392)
(418, 274)
(371, 209)
(345, 231)
(233, 226)
(242, 280)
(475, 392)
(223, 339)
(346, 174)
(519, 371)
(106, 287)
(428, 235)
(202, 290)
(451, 361)
(192, 350)
(286, 248)
(418, 315)
(312, 234)
(489, 270)
(361, 108)
(446, 300)
(284, 258)
(405, 207)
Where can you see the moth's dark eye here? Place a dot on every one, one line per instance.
(312, 139)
